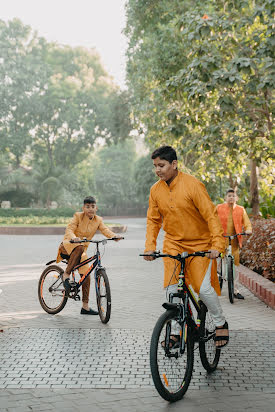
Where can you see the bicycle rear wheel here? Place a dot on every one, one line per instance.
(51, 291)
(209, 353)
(171, 370)
(103, 295)
(230, 279)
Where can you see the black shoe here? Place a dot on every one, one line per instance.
(88, 312)
(67, 286)
(238, 296)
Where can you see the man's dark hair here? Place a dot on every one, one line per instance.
(230, 191)
(89, 199)
(165, 153)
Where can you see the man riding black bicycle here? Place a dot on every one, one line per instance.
(83, 225)
(233, 219)
(181, 204)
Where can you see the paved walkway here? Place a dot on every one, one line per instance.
(73, 362)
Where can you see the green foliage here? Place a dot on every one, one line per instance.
(268, 210)
(19, 198)
(34, 220)
(57, 104)
(144, 177)
(113, 172)
(201, 76)
(29, 212)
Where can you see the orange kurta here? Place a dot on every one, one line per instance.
(233, 223)
(81, 226)
(190, 222)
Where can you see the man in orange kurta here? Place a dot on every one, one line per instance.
(83, 225)
(234, 219)
(181, 205)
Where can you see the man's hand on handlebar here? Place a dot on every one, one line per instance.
(214, 254)
(150, 252)
(248, 232)
(75, 240)
(118, 238)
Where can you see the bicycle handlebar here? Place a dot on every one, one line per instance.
(103, 241)
(237, 234)
(184, 255)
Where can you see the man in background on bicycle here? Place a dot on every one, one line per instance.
(181, 204)
(233, 219)
(83, 225)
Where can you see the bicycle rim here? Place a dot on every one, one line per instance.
(51, 292)
(230, 280)
(171, 374)
(103, 296)
(220, 275)
(209, 353)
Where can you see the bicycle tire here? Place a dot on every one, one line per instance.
(103, 296)
(220, 275)
(51, 289)
(230, 279)
(163, 369)
(209, 353)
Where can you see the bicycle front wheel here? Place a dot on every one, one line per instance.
(51, 291)
(209, 353)
(103, 296)
(171, 369)
(230, 279)
(220, 273)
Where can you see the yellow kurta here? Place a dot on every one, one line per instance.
(81, 226)
(190, 222)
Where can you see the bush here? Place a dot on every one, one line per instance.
(258, 252)
(18, 198)
(60, 212)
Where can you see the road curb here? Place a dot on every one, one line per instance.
(47, 230)
(263, 288)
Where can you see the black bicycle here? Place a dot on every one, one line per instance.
(226, 268)
(51, 292)
(175, 334)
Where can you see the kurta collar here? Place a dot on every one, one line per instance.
(174, 182)
(230, 207)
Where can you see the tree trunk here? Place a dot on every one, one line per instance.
(254, 191)
(233, 183)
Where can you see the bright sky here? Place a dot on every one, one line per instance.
(88, 23)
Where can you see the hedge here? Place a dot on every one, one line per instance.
(258, 252)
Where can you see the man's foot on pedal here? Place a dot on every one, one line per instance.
(67, 286)
(88, 312)
(238, 296)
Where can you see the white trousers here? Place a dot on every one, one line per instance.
(208, 295)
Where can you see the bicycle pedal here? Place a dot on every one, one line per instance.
(77, 297)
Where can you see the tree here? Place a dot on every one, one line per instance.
(21, 75)
(57, 105)
(201, 80)
(144, 178)
(113, 172)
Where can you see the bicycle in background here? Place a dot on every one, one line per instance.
(226, 268)
(172, 361)
(51, 292)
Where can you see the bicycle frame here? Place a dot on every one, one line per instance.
(96, 265)
(185, 293)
